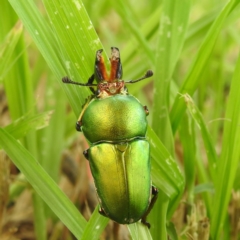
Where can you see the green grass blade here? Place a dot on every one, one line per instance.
(17, 82)
(198, 29)
(52, 139)
(21, 126)
(127, 16)
(187, 137)
(147, 30)
(192, 80)
(39, 217)
(60, 48)
(139, 232)
(77, 43)
(40, 32)
(159, 216)
(7, 49)
(166, 174)
(173, 26)
(95, 226)
(210, 150)
(229, 160)
(212, 158)
(43, 184)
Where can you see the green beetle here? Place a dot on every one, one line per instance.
(115, 126)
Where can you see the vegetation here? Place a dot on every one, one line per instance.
(193, 98)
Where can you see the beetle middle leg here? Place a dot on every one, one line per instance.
(102, 212)
(153, 200)
(146, 110)
(85, 153)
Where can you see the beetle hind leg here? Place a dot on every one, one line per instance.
(102, 212)
(153, 200)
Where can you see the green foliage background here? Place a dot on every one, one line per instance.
(194, 99)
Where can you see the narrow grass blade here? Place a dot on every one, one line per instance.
(43, 184)
(159, 216)
(52, 138)
(210, 150)
(166, 174)
(95, 226)
(187, 137)
(21, 126)
(229, 160)
(68, 47)
(147, 30)
(139, 232)
(127, 16)
(39, 217)
(203, 177)
(7, 49)
(192, 80)
(197, 30)
(77, 44)
(40, 32)
(171, 35)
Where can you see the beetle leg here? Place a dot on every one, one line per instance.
(102, 212)
(153, 200)
(85, 153)
(146, 110)
(78, 126)
(90, 81)
(79, 121)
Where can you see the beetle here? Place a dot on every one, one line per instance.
(114, 123)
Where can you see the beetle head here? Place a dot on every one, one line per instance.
(109, 84)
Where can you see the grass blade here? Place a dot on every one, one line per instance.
(173, 26)
(192, 80)
(198, 118)
(77, 43)
(7, 49)
(229, 160)
(95, 226)
(21, 126)
(166, 174)
(139, 232)
(43, 184)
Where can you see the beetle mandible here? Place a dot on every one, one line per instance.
(115, 125)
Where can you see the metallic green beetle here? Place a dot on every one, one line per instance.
(115, 126)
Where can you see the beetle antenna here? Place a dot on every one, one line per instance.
(68, 80)
(148, 74)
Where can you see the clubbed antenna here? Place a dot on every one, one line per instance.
(148, 74)
(69, 81)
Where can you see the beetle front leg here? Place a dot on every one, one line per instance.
(78, 126)
(79, 121)
(90, 81)
(153, 200)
